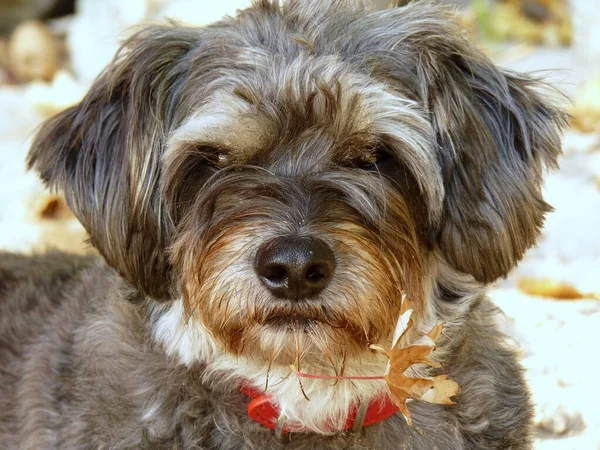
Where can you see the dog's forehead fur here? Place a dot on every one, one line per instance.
(301, 113)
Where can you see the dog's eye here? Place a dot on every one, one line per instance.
(223, 160)
(217, 159)
(372, 160)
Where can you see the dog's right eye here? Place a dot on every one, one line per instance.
(217, 158)
(223, 160)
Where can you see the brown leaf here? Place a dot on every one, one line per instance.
(443, 388)
(435, 333)
(544, 287)
(405, 306)
(399, 396)
(438, 389)
(402, 358)
(402, 392)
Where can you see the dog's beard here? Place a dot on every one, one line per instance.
(360, 306)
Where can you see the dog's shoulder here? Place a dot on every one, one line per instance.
(37, 313)
(44, 268)
(31, 282)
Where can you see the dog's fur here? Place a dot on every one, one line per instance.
(385, 134)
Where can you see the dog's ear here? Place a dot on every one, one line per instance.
(496, 134)
(104, 154)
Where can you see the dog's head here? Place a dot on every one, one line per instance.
(291, 171)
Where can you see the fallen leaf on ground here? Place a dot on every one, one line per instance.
(51, 207)
(33, 52)
(545, 287)
(585, 112)
(532, 21)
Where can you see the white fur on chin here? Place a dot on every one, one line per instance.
(330, 402)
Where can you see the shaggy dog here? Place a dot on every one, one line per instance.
(263, 191)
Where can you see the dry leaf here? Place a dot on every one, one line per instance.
(437, 389)
(585, 111)
(51, 207)
(544, 287)
(33, 52)
(535, 22)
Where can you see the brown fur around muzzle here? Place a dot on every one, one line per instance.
(384, 136)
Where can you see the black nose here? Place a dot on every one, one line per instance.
(295, 267)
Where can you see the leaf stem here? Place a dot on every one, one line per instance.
(334, 377)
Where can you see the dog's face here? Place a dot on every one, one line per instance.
(291, 172)
(298, 233)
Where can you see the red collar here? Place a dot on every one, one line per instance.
(262, 410)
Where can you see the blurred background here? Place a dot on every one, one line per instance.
(51, 50)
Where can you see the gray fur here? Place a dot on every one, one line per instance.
(79, 371)
(310, 95)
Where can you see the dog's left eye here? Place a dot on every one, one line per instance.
(372, 160)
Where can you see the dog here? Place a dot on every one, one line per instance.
(263, 192)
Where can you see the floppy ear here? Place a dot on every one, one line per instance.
(496, 134)
(104, 154)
